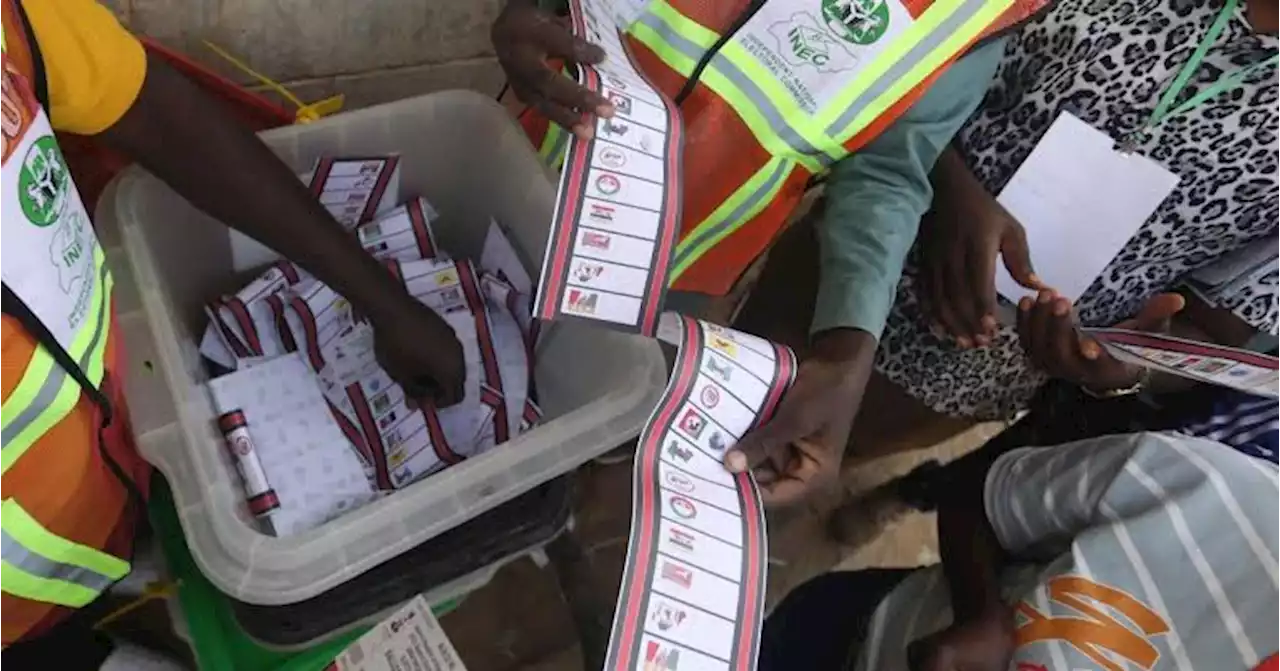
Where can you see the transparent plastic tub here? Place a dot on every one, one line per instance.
(461, 151)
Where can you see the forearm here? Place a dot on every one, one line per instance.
(186, 139)
(950, 177)
(971, 553)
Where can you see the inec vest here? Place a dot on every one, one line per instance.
(773, 97)
(56, 284)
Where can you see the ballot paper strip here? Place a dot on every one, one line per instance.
(241, 325)
(393, 439)
(1080, 200)
(400, 442)
(403, 234)
(692, 594)
(618, 206)
(411, 638)
(397, 442)
(304, 455)
(1237, 369)
(349, 206)
(355, 190)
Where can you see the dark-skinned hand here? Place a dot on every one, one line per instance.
(982, 644)
(958, 248)
(1049, 335)
(420, 351)
(799, 451)
(524, 38)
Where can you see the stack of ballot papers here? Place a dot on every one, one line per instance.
(292, 325)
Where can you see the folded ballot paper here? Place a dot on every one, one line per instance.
(285, 315)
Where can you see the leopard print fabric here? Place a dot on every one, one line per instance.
(1108, 62)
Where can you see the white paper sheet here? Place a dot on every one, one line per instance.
(1080, 200)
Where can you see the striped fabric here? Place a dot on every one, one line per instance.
(1248, 423)
(1151, 551)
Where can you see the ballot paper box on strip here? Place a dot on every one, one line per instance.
(462, 153)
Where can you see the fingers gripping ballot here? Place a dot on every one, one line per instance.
(799, 451)
(526, 40)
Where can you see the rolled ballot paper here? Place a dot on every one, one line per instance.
(399, 441)
(244, 325)
(694, 580)
(258, 493)
(315, 318)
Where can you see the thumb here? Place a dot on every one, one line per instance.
(758, 446)
(1155, 315)
(1017, 257)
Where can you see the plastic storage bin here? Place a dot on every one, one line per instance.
(459, 150)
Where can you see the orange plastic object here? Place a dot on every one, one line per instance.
(93, 165)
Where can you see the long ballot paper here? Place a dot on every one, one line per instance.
(692, 594)
(618, 207)
(1238, 369)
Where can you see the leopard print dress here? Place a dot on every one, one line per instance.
(1108, 62)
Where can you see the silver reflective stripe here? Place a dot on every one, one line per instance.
(37, 564)
(53, 383)
(744, 84)
(902, 66)
(556, 156)
(733, 219)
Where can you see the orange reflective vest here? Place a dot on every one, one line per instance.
(773, 93)
(67, 461)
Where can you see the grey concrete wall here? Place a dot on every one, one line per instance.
(371, 50)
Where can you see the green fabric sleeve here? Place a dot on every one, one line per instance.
(876, 196)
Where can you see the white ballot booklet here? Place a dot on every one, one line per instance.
(1238, 369)
(1080, 200)
(618, 206)
(693, 587)
(411, 638)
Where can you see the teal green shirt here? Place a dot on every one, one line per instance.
(876, 196)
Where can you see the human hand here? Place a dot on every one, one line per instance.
(800, 449)
(524, 37)
(420, 351)
(985, 643)
(1049, 335)
(958, 249)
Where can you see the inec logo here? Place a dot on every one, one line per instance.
(857, 21)
(803, 40)
(43, 182)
